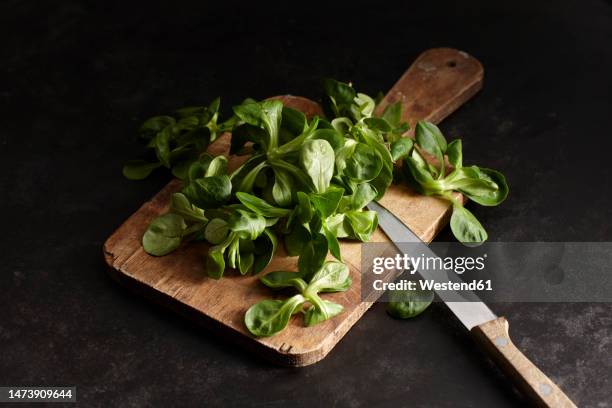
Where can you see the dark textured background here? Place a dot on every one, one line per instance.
(79, 77)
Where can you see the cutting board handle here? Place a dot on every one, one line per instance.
(437, 83)
(494, 338)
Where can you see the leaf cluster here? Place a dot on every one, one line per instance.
(174, 142)
(484, 186)
(269, 316)
(304, 184)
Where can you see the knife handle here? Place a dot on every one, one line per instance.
(494, 339)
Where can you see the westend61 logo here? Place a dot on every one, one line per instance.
(412, 264)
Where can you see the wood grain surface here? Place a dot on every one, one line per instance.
(436, 84)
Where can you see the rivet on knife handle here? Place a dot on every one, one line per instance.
(493, 336)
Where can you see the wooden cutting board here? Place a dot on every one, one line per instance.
(435, 85)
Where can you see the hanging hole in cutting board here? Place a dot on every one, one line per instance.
(451, 64)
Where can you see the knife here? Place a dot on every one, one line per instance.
(489, 330)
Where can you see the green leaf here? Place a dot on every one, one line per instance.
(198, 168)
(419, 172)
(489, 197)
(418, 159)
(164, 234)
(217, 167)
(179, 204)
(296, 240)
(363, 223)
(479, 189)
(188, 123)
(327, 202)
(363, 195)
(198, 138)
(364, 164)
(154, 125)
(161, 143)
(484, 186)
(261, 207)
(332, 243)
(385, 177)
(248, 246)
(408, 303)
(281, 190)
(261, 181)
(333, 276)
(272, 119)
(294, 144)
(341, 92)
(283, 279)
(393, 114)
(245, 263)
(265, 246)
(333, 137)
(342, 125)
(455, 156)
(362, 107)
(401, 129)
(382, 182)
(183, 152)
(293, 120)
(379, 124)
(430, 134)
(313, 255)
(215, 264)
(338, 225)
(323, 311)
(304, 182)
(246, 224)
(250, 112)
(317, 159)
(401, 147)
(233, 253)
(466, 228)
(180, 170)
(216, 231)
(209, 192)
(249, 179)
(271, 316)
(430, 139)
(343, 154)
(266, 115)
(213, 107)
(139, 169)
(247, 133)
(340, 97)
(304, 209)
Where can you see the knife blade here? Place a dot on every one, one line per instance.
(466, 305)
(489, 330)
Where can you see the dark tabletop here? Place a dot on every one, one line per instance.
(79, 77)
